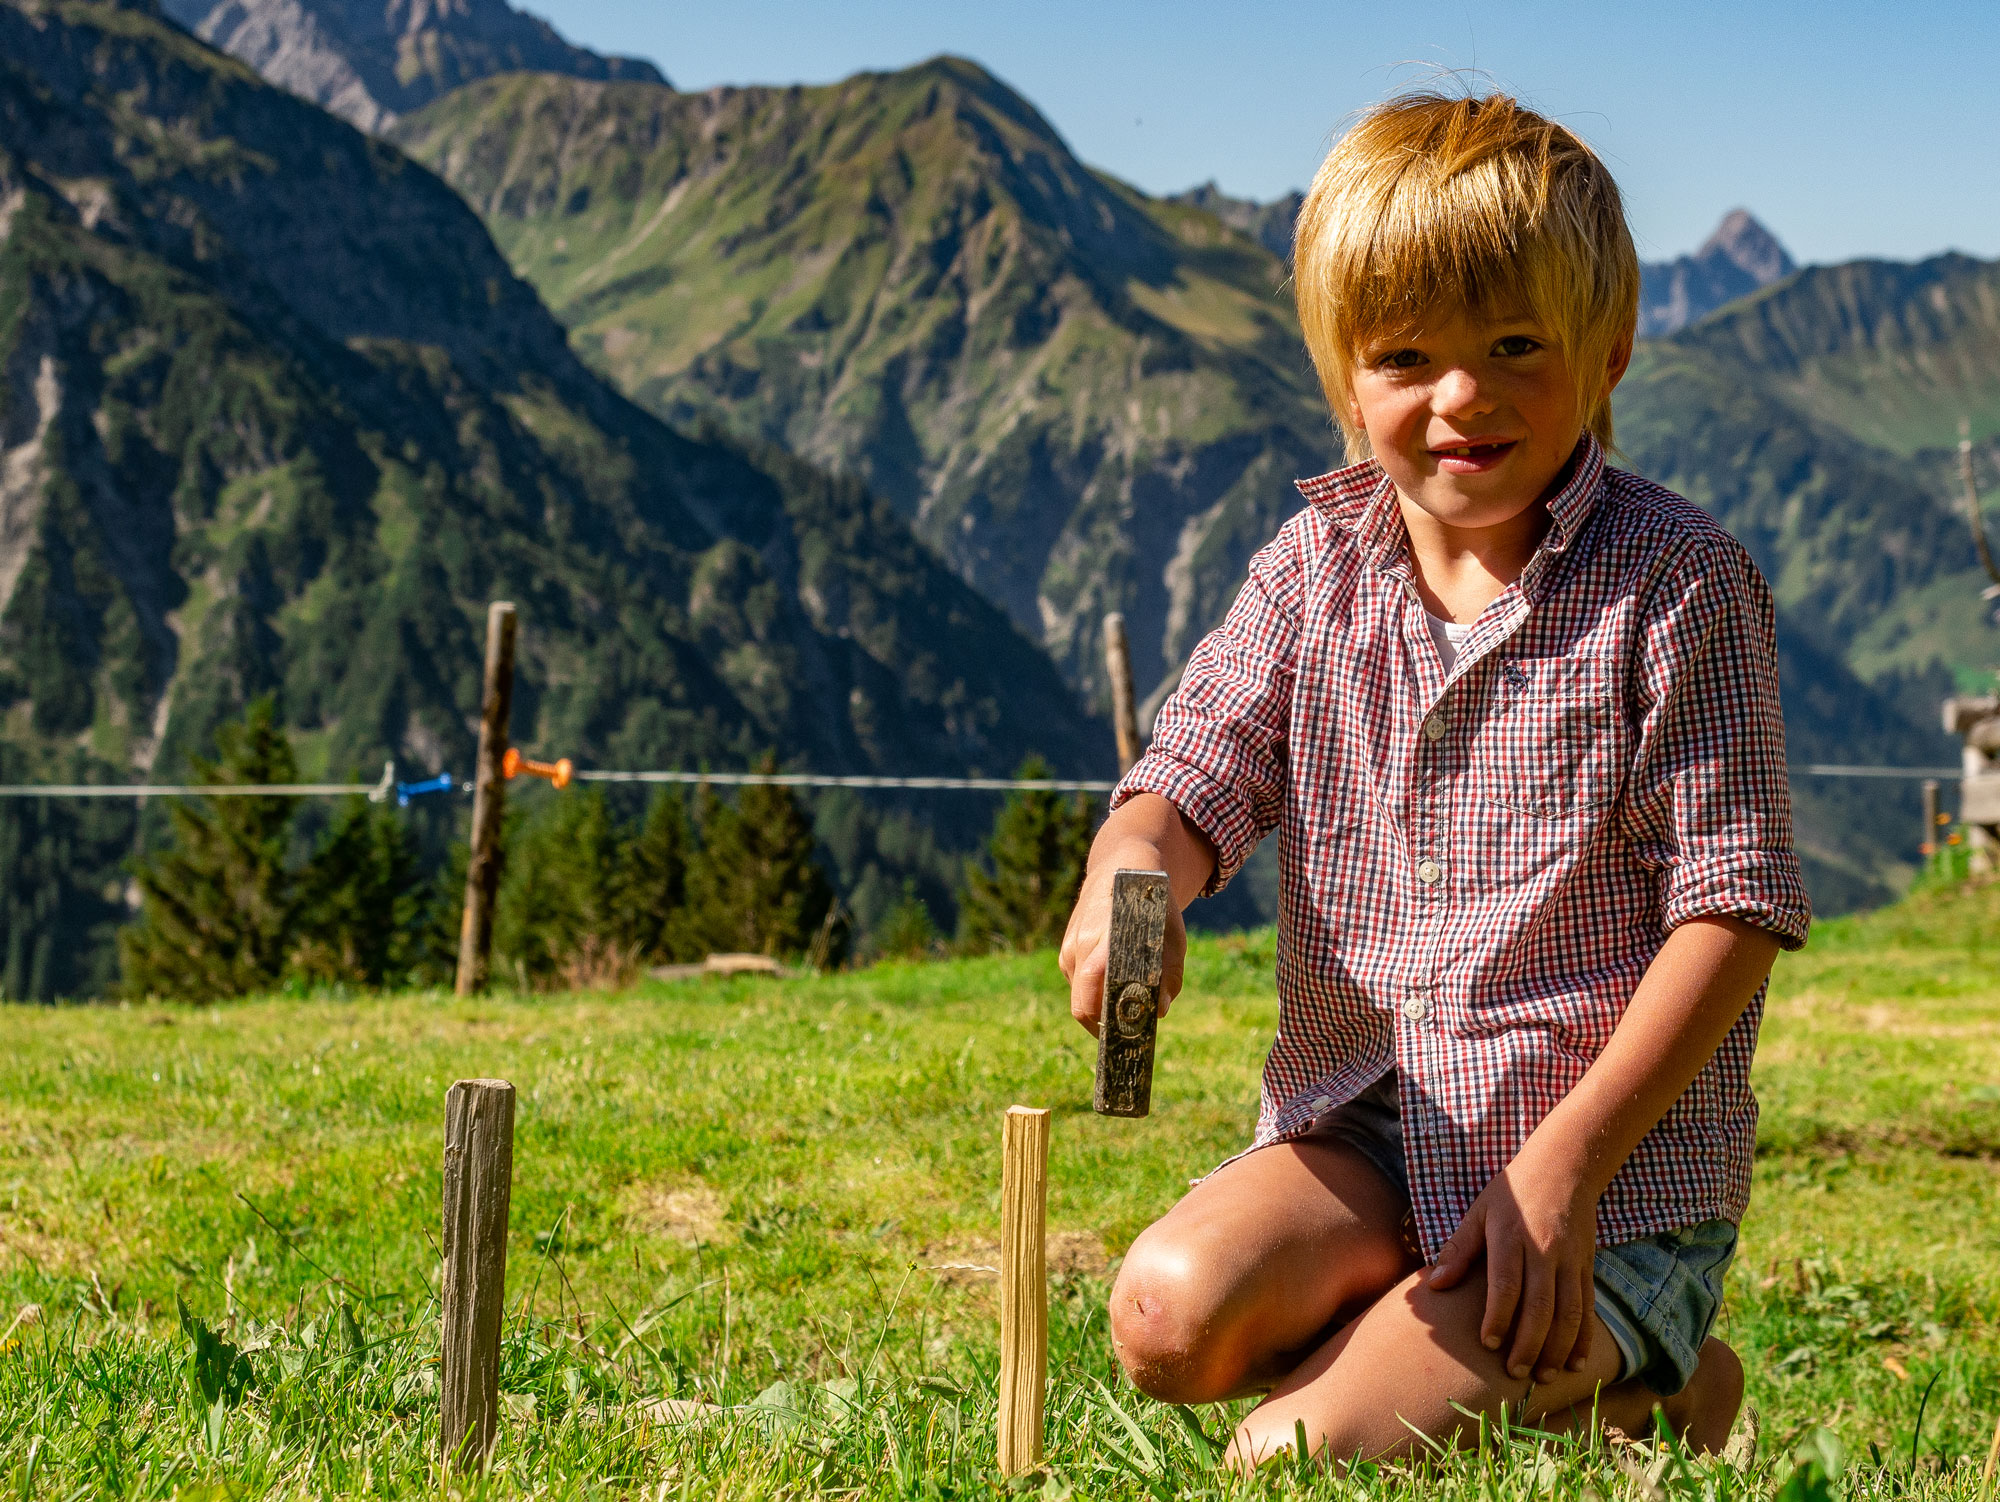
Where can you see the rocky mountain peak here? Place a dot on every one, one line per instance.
(1739, 258)
(1745, 243)
(1269, 224)
(372, 61)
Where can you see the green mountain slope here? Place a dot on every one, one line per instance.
(1085, 399)
(1892, 353)
(276, 417)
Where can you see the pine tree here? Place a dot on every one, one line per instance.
(217, 906)
(907, 931)
(360, 903)
(1037, 853)
(754, 885)
(652, 882)
(557, 919)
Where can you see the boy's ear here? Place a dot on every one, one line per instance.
(1621, 359)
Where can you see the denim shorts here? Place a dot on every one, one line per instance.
(1658, 1295)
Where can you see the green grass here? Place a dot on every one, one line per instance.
(742, 1193)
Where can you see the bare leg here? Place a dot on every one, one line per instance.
(1413, 1360)
(1253, 1269)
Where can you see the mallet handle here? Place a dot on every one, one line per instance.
(1130, 1020)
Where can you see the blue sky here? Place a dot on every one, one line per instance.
(1849, 129)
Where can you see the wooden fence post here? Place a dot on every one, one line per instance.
(489, 797)
(1930, 817)
(1124, 706)
(478, 1182)
(1024, 1290)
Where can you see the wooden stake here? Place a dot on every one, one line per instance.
(478, 1182)
(1130, 1020)
(489, 799)
(1124, 706)
(1930, 817)
(1024, 1291)
(1992, 1461)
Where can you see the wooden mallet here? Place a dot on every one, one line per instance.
(1130, 1020)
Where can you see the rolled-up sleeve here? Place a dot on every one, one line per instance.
(1709, 802)
(1219, 741)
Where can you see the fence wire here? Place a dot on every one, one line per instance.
(381, 791)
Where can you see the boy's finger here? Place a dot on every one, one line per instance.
(1586, 1328)
(1173, 960)
(1531, 1328)
(1086, 987)
(1561, 1340)
(1503, 1293)
(1461, 1249)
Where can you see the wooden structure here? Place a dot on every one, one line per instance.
(478, 1184)
(1975, 718)
(1024, 1289)
(489, 801)
(1124, 703)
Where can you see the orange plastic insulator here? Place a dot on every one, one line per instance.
(513, 764)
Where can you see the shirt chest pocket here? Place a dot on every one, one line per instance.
(1554, 742)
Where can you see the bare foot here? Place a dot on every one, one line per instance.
(1704, 1411)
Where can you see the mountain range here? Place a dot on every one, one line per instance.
(1085, 399)
(827, 419)
(277, 417)
(371, 61)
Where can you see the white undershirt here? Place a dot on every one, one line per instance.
(1449, 636)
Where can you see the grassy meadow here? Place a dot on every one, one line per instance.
(771, 1195)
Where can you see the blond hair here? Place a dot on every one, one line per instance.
(1436, 203)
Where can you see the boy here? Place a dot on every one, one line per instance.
(1514, 714)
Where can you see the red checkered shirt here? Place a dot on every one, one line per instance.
(1476, 870)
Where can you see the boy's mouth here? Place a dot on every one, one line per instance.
(1471, 458)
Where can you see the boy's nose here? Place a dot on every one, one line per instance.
(1458, 392)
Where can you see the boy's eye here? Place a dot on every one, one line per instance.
(1401, 359)
(1517, 344)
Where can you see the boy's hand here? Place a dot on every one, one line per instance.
(1537, 1229)
(1086, 946)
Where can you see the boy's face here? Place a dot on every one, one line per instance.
(1474, 417)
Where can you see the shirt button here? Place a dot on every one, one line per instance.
(1322, 1102)
(1434, 728)
(1415, 1008)
(1428, 872)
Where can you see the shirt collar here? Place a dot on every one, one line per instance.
(1361, 500)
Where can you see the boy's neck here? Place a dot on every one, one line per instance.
(1459, 571)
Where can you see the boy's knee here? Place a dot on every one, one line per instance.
(1163, 1324)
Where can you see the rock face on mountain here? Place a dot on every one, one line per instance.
(1085, 399)
(1269, 224)
(275, 416)
(370, 61)
(1740, 257)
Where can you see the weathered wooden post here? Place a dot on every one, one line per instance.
(489, 798)
(1931, 820)
(1124, 706)
(1130, 1020)
(478, 1183)
(1024, 1291)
